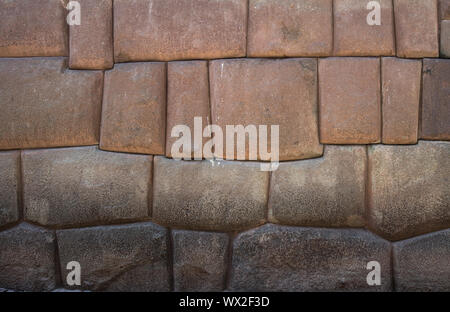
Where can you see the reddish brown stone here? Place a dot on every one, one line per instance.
(444, 9)
(416, 24)
(290, 28)
(91, 42)
(401, 98)
(353, 36)
(134, 109)
(350, 100)
(445, 39)
(45, 105)
(179, 29)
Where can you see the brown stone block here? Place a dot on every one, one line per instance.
(445, 39)
(9, 173)
(444, 9)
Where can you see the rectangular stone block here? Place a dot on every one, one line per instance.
(436, 100)
(416, 25)
(209, 195)
(167, 30)
(353, 36)
(45, 105)
(401, 81)
(444, 9)
(268, 92)
(445, 39)
(349, 92)
(33, 28)
(84, 186)
(290, 28)
(91, 42)
(134, 109)
(9, 187)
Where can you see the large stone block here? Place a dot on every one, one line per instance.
(129, 257)
(209, 195)
(45, 105)
(409, 193)
(77, 186)
(179, 29)
(9, 187)
(278, 258)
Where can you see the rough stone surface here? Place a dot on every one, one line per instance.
(409, 193)
(9, 173)
(269, 92)
(76, 186)
(444, 9)
(33, 28)
(323, 192)
(187, 98)
(445, 39)
(278, 258)
(422, 263)
(45, 105)
(179, 29)
(416, 24)
(199, 260)
(290, 28)
(134, 109)
(117, 258)
(355, 37)
(91, 42)
(436, 100)
(401, 99)
(209, 195)
(350, 111)
(27, 259)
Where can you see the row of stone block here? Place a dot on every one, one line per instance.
(173, 29)
(147, 257)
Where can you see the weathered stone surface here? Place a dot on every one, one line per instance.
(9, 173)
(416, 25)
(33, 28)
(187, 98)
(444, 9)
(401, 98)
(134, 109)
(269, 92)
(179, 29)
(290, 28)
(409, 193)
(129, 257)
(45, 105)
(199, 260)
(91, 42)
(27, 259)
(436, 100)
(209, 195)
(75, 186)
(279, 258)
(350, 111)
(353, 36)
(323, 192)
(422, 263)
(445, 39)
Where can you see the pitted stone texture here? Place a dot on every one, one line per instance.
(33, 28)
(290, 28)
(269, 92)
(355, 37)
(129, 257)
(422, 263)
(279, 258)
(444, 9)
(134, 109)
(187, 98)
(350, 111)
(401, 99)
(199, 260)
(91, 42)
(78, 186)
(445, 39)
(409, 193)
(436, 100)
(27, 259)
(9, 173)
(416, 24)
(167, 30)
(45, 105)
(209, 195)
(323, 192)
